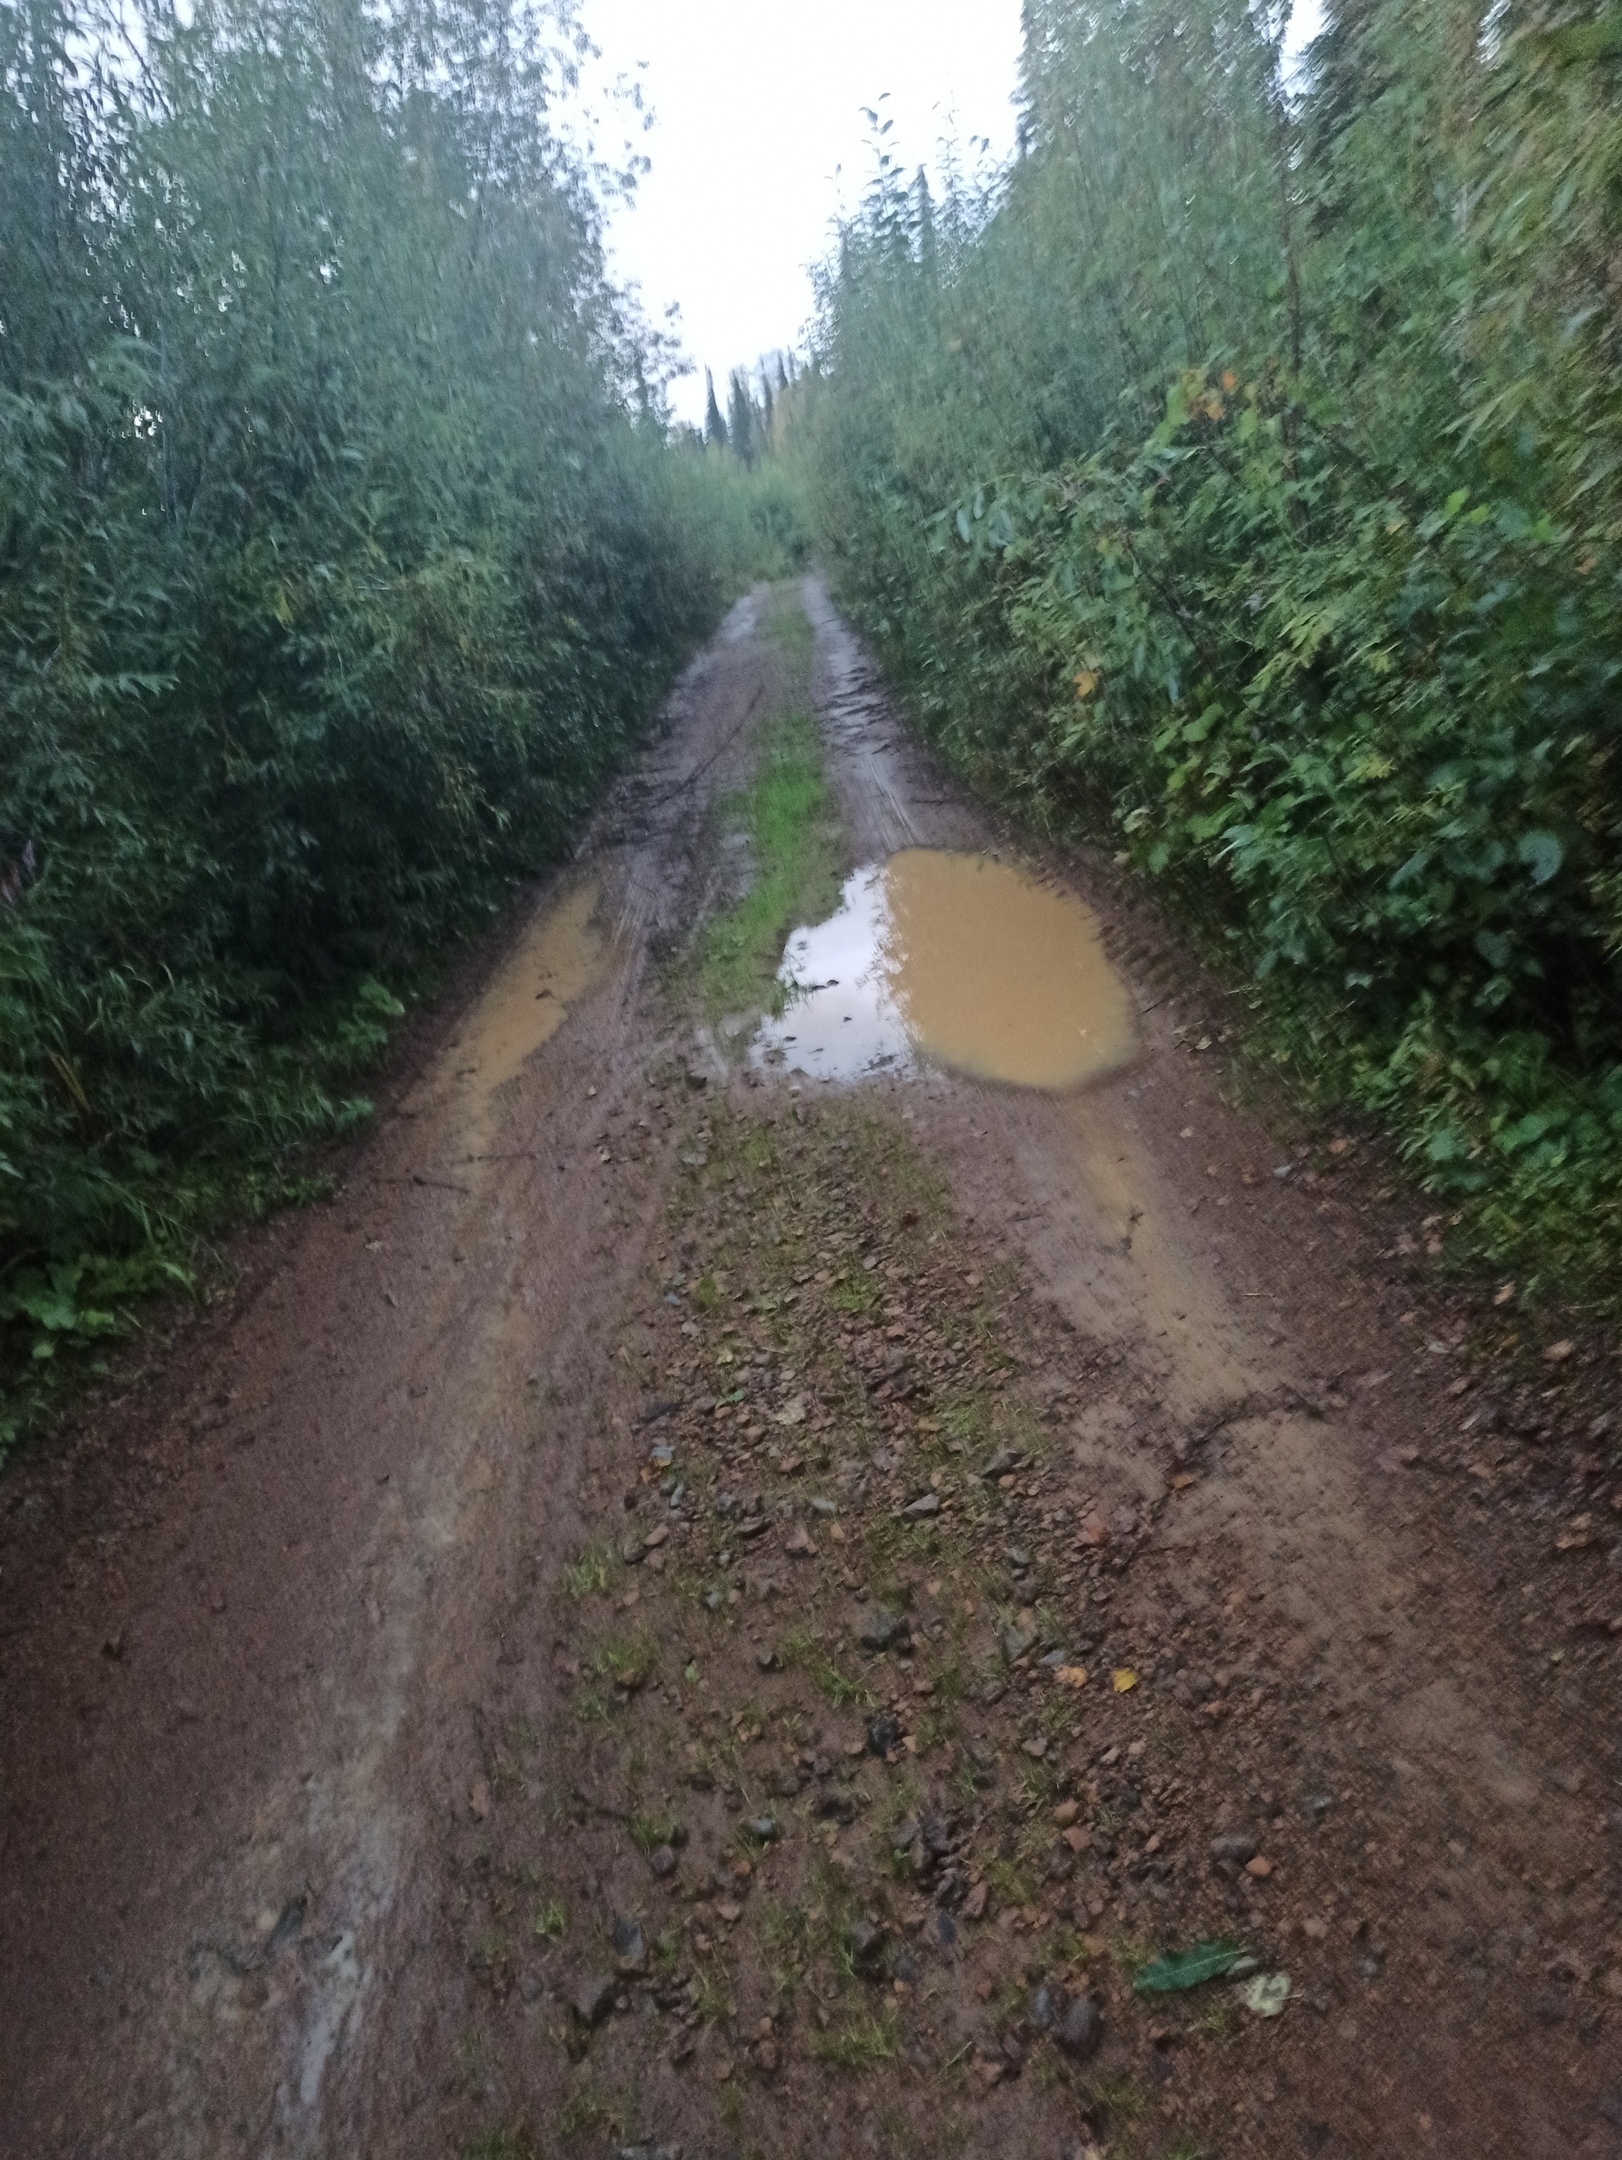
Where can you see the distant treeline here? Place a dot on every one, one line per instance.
(1241, 475)
(343, 549)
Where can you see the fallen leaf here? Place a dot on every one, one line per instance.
(1184, 1969)
(1071, 1676)
(1125, 1680)
(792, 1412)
(1267, 1994)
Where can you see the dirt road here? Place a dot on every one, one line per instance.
(695, 1608)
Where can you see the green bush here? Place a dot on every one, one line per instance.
(343, 551)
(1241, 476)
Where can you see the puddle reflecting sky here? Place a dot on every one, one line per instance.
(957, 960)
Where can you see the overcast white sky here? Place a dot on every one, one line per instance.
(760, 139)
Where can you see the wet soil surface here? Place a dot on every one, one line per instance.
(699, 1610)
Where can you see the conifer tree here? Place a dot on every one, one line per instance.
(924, 219)
(742, 417)
(715, 427)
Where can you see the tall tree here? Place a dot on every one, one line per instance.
(741, 417)
(715, 427)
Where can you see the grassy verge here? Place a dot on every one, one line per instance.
(796, 849)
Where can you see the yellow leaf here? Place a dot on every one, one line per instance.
(1125, 1680)
(1071, 1676)
(1230, 382)
(1086, 682)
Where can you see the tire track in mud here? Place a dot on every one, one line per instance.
(278, 1565)
(282, 1630)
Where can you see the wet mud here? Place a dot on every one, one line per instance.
(438, 1716)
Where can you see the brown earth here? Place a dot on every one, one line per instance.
(490, 1573)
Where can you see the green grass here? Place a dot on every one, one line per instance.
(630, 1662)
(862, 2040)
(586, 2109)
(787, 814)
(597, 1571)
(513, 2144)
(551, 1922)
(790, 629)
(649, 1832)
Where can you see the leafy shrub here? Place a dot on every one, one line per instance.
(343, 551)
(1240, 476)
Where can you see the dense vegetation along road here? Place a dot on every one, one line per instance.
(696, 1607)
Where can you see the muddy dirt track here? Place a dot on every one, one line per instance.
(696, 1610)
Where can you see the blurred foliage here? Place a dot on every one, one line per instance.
(344, 548)
(1241, 473)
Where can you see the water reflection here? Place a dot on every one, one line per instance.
(958, 960)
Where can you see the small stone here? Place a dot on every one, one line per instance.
(1002, 1464)
(1233, 1848)
(885, 1631)
(764, 1828)
(1080, 2029)
(921, 1509)
(630, 1951)
(1259, 1869)
(884, 1736)
(974, 1905)
(530, 1989)
(662, 1860)
(1016, 1643)
(867, 1942)
(594, 1998)
(1046, 2007)
(904, 1836)
(946, 1926)
(1066, 1812)
(766, 2057)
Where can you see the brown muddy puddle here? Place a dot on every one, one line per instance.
(560, 956)
(955, 960)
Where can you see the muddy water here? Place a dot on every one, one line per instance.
(956, 960)
(561, 956)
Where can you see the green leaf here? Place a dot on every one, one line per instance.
(1184, 1969)
(1542, 854)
